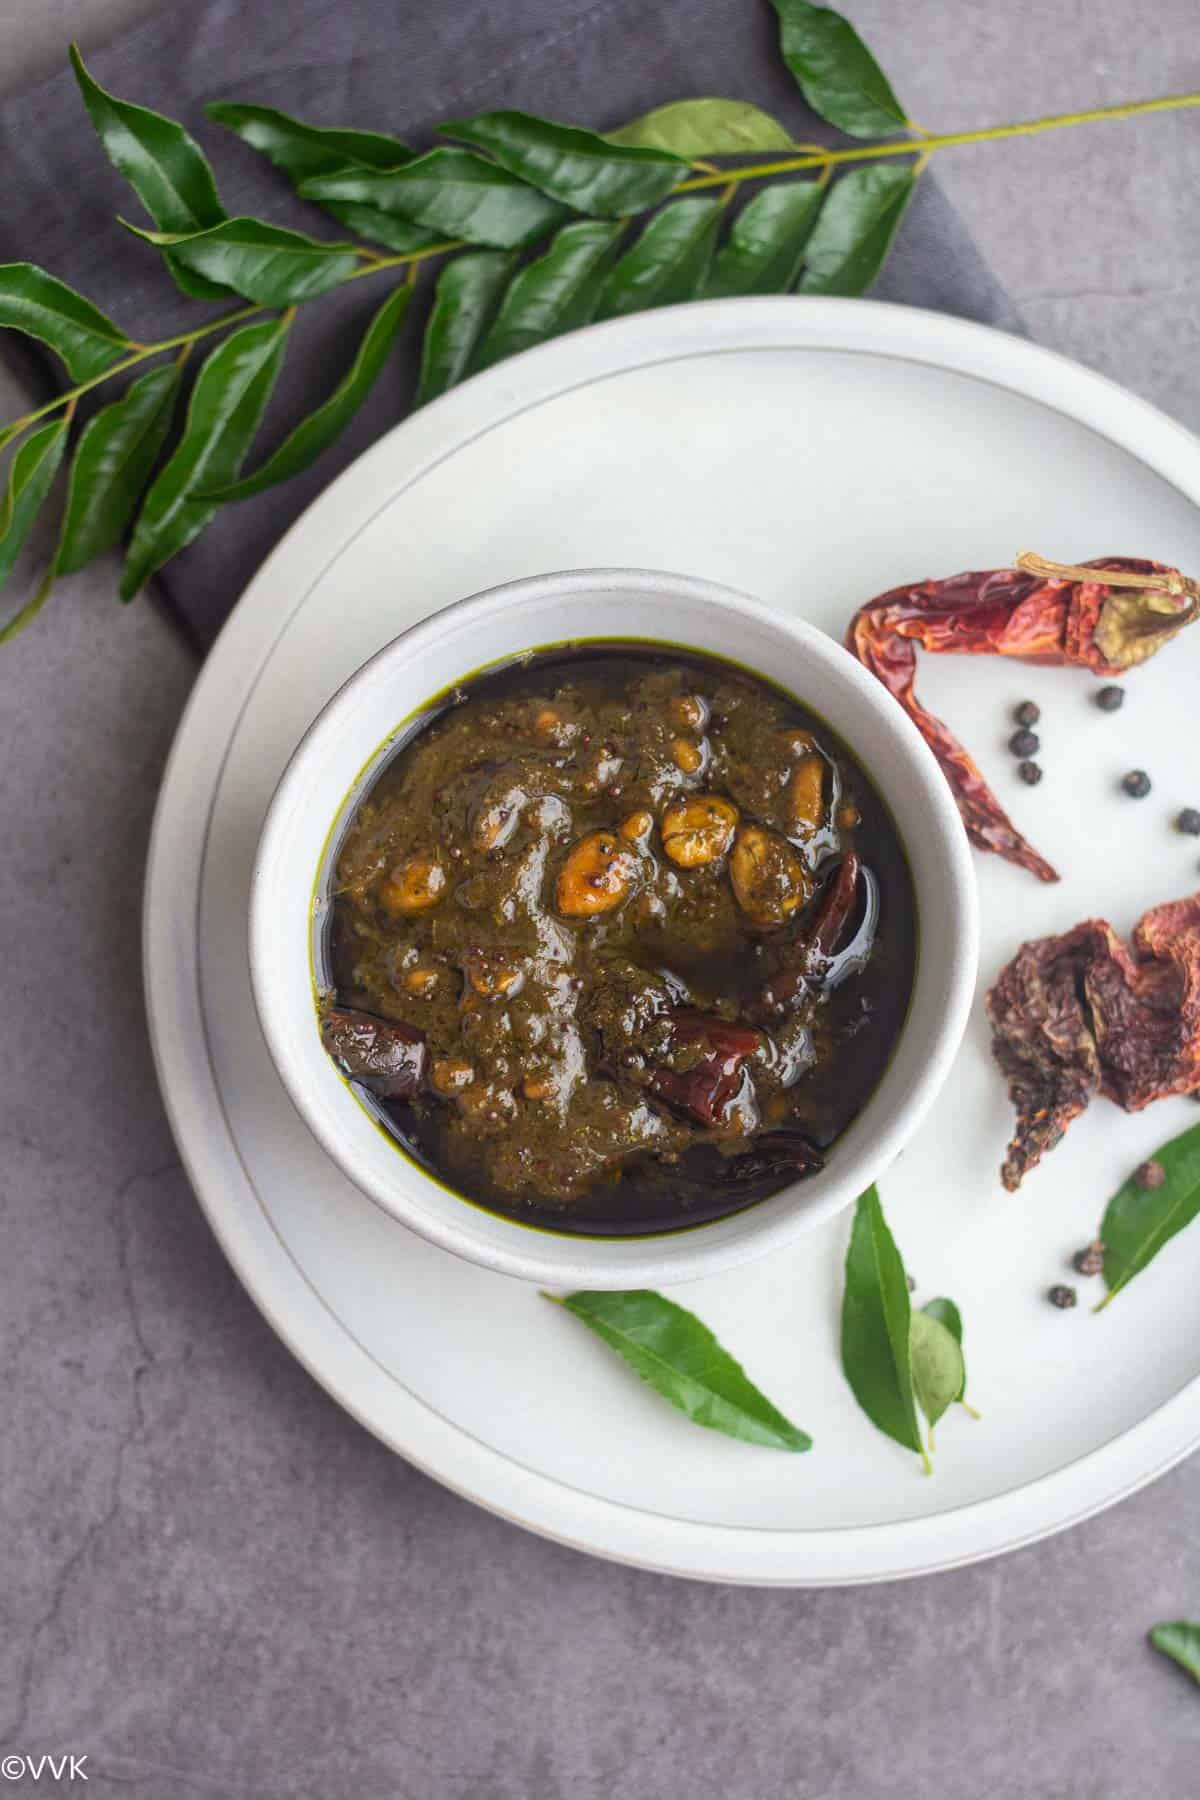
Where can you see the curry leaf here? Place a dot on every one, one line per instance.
(938, 1370)
(580, 168)
(835, 71)
(707, 127)
(765, 246)
(1139, 1221)
(947, 1314)
(43, 307)
(557, 293)
(260, 261)
(316, 433)
(30, 476)
(855, 229)
(464, 303)
(299, 150)
(116, 452)
(165, 167)
(31, 608)
(227, 404)
(1180, 1640)
(383, 228)
(302, 152)
(876, 1327)
(668, 263)
(453, 192)
(678, 1356)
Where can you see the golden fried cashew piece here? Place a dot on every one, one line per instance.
(420, 980)
(698, 830)
(688, 711)
(768, 877)
(413, 886)
(805, 798)
(637, 827)
(552, 727)
(598, 874)
(687, 756)
(451, 1074)
(493, 974)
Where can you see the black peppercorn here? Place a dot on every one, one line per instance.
(1024, 743)
(1110, 699)
(1136, 784)
(1149, 1175)
(1030, 773)
(1189, 822)
(1060, 1295)
(1028, 713)
(1091, 1260)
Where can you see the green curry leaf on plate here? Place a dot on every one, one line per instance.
(465, 301)
(165, 167)
(938, 1372)
(113, 460)
(450, 191)
(1180, 1640)
(43, 307)
(704, 127)
(668, 263)
(323, 426)
(877, 1327)
(764, 250)
(226, 408)
(678, 1356)
(262, 262)
(854, 232)
(835, 71)
(947, 1314)
(1139, 1221)
(557, 293)
(584, 171)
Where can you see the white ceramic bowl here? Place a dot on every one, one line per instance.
(337, 759)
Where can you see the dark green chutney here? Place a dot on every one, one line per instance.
(620, 940)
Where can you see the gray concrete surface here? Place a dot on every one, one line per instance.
(211, 1581)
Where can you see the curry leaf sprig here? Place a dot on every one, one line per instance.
(538, 227)
(895, 1359)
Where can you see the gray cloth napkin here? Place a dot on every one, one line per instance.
(399, 66)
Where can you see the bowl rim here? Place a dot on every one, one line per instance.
(614, 1262)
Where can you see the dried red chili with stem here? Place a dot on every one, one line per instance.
(1106, 616)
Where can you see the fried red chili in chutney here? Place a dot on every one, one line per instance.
(621, 941)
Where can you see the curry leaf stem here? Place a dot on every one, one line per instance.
(925, 144)
(812, 157)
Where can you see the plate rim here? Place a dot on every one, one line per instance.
(321, 1341)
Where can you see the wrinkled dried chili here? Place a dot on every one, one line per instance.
(1106, 616)
(704, 1089)
(1082, 1013)
(386, 1055)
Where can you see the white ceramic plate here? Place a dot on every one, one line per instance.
(813, 452)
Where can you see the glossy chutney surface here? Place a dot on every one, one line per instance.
(586, 950)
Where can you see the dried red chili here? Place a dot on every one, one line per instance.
(1106, 616)
(704, 1089)
(801, 960)
(1081, 1014)
(385, 1055)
